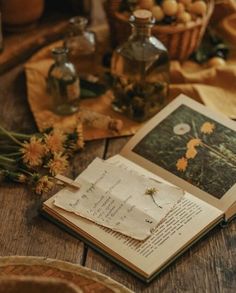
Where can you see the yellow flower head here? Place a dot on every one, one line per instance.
(43, 185)
(207, 127)
(193, 143)
(58, 164)
(182, 164)
(22, 178)
(33, 152)
(54, 141)
(191, 153)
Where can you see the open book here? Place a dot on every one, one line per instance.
(188, 147)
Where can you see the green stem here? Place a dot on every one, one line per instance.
(25, 171)
(218, 153)
(12, 154)
(20, 135)
(4, 159)
(3, 130)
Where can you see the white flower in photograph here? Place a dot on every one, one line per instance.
(181, 128)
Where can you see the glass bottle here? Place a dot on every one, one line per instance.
(63, 83)
(140, 70)
(81, 44)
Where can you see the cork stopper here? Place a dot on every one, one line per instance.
(142, 15)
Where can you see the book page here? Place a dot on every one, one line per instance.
(191, 147)
(187, 220)
(120, 198)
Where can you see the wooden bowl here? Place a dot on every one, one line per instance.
(181, 40)
(29, 284)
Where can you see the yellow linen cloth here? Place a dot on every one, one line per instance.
(214, 86)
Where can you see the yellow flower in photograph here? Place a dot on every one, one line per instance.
(33, 152)
(182, 164)
(193, 143)
(207, 127)
(43, 185)
(54, 141)
(191, 153)
(58, 164)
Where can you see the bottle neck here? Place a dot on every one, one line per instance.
(78, 25)
(60, 59)
(143, 31)
(60, 55)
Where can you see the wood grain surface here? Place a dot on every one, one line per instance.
(209, 266)
(18, 47)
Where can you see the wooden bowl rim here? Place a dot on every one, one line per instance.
(64, 266)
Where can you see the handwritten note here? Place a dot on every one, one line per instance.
(120, 199)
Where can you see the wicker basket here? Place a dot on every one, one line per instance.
(181, 40)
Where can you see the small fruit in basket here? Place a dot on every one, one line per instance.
(158, 13)
(170, 7)
(199, 7)
(181, 8)
(146, 4)
(169, 12)
(186, 3)
(184, 17)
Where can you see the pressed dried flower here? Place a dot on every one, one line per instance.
(191, 153)
(58, 164)
(182, 164)
(151, 191)
(33, 152)
(207, 127)
(54, 141)
(43, 185)
(193, 143)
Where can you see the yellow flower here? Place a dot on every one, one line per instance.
(43, 185)
(80, 140)
(207, 127)
(191, 153)
(182, 164)
(54, 141)
(58, 164)
(33, 152)
(193, 143)
(22, 178)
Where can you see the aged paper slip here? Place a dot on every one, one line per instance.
(120, 199)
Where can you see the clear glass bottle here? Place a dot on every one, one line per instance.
(140, 68)
(63, 83)
(81, 44)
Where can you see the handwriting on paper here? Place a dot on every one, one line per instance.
(115, 197)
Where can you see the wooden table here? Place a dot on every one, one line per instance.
(210, 266)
